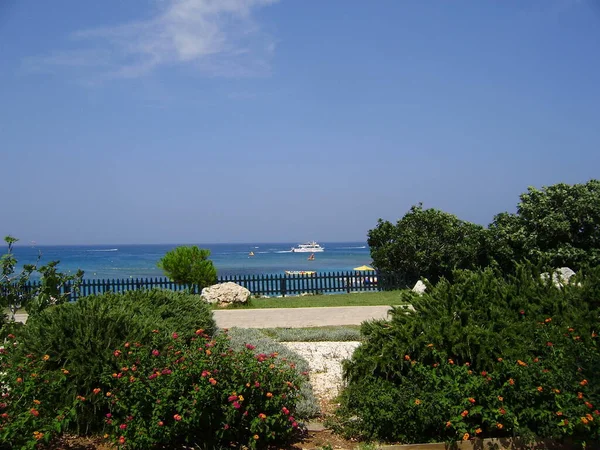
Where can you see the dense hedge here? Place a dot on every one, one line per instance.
(485, 356)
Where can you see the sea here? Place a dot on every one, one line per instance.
(140, 261)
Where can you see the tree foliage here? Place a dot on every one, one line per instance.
(558, 224)
(54, 288)
(189, 266)
(426, 243)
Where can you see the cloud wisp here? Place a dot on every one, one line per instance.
(213, 37)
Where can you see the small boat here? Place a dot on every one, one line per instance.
(251, 254)
(311, 257)
(309, 247)
(300, 272)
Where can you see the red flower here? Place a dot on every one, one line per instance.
(34, 412)
(502, 411)
(177, 417)
(175, 335)
(117, 353)
(406, 358)
(287, 411)
(232, 398)
(122, 440)
(589, 405)
(262, 416)
(472, 400)
(549, 344)
(212, 381)
(484, 374)
(108, 415)
(465, 413)
(522, 312)
(160, 423)
(155, 352)
(250, 347)
(236, 405)
(123, 426)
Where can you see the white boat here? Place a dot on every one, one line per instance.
(309, 247)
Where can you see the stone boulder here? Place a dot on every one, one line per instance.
(225, 294)
(419, 288)
(560, 277)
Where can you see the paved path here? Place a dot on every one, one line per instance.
(291, 317)
(298, 317)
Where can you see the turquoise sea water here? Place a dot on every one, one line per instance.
(124, 261)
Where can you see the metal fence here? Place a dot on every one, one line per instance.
(259, 285)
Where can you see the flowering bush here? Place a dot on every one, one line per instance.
(196, 391)
(485, 357)
(32, 407)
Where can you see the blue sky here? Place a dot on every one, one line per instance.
(172, 121)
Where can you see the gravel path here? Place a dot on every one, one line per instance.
(324, 360)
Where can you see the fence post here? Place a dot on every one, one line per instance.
(348, 285)
(282, 286)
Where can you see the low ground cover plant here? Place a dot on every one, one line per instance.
(485, 356)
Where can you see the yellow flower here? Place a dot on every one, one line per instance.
(46, 357)
(417, 402)
(37, 402)
(256, 437)
(478, 430)
(65, 371)
(241, 398)
(465, 436)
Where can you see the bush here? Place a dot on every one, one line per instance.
(307, 405)
(189, 266)
(485, 356)
(79, 336)
(200, 391)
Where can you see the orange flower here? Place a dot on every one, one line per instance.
(208, 352)
(465, 413)
(37, 435)
(559, 413)
(406, 358)
(37, 402)
(471, 399)
(478, 430)
(269, 395)
(548, 320)
(448, 424)
(108, 394)
(556, 391)
(417, 402)
(584, 421)
(540, 389)
(19, 380)
(97, 391)
(499, 426)
(589, 417)
(429, 345)
(584, 382)
(511, 382)
(81, 398)
(501, 398)
(580, 395)
(255, 437)
(450, 361)
(46, 357)
(65, 371)
(34, 412)
(500, 360)
(502, 411)
(262, 416)
(212, 381)
(466, 437)
(521, 363)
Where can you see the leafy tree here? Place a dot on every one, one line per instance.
(15, 293)
(558, 225)
(189, 266)
(426, 243)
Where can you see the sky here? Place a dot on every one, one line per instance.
(177, 121)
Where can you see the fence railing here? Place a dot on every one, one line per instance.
(259, 285)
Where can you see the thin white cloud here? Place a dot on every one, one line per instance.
(215, 37)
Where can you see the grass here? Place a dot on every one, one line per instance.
(314, 334)
(311, 301)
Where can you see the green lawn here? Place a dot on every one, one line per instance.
(357, 299)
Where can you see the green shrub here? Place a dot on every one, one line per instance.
(307, 405)
(79, 336)
(200, 392)
(189, 266)
(414, 377)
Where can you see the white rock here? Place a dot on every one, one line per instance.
(560, 277)
(419, 288)
(225, 294)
